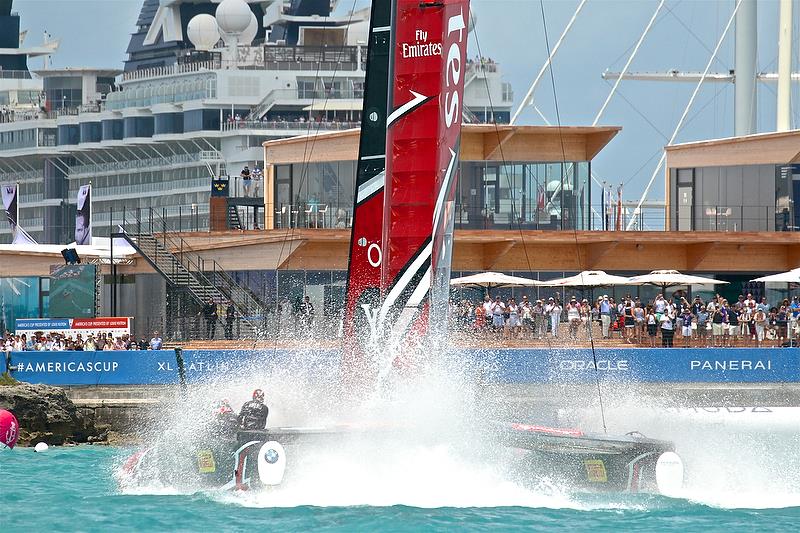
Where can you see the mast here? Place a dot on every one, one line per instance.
(745, 102)
(363, 271)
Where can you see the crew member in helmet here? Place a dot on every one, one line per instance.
(254, 413)
(225, 422)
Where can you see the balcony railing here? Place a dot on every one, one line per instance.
(15, 75)
(135, 164)
(294, 126)
(121, 191)
(266, 57)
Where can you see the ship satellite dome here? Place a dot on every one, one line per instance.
(558, 185)
(41, 447)
(250, 32)
(233, 16)
(203, 32)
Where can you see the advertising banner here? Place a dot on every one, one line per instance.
(136, 367)
(643, 365)
(732, 365)
(115, 326)
(83, 218)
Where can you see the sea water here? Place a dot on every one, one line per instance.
(74, 489)
(437, 470)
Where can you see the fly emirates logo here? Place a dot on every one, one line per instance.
(421, 47)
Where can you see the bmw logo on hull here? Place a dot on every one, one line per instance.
(271, 456)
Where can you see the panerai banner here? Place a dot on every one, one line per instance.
(83, 218)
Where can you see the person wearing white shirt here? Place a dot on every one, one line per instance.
(553, 309)
(498, 308)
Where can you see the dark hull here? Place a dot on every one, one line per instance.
(565, 458)
(581, 462)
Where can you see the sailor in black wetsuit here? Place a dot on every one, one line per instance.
(253, 415)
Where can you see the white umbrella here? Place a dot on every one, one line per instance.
(672, 278)
(588, 279)
(493, 280)
(793, 276)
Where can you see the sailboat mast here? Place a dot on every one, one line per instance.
(362, 294)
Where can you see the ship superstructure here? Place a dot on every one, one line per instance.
(155, 133)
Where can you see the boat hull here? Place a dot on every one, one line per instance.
(565, 458)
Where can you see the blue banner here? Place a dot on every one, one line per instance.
(643, 365)
(135, 367)
(691, 365)
(42, 324)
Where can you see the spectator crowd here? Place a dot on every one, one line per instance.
(59, 342)
(663, 320)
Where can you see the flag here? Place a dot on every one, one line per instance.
(11, 205)
(83, 218)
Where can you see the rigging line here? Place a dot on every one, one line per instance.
(696, 114)
(307, 153)
(504, 167)
(574, 222)
(550, 54)
(671, 11)
(685, 113)
(660, 20)
(628, 63)
(641, 114)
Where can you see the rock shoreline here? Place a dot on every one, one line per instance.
(46, 414)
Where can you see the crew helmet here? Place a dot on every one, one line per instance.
(258, 395)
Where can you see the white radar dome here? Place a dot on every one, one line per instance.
(203, 32)
(250, 32)
(233, 16)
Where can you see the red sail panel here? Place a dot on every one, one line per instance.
(422, 145)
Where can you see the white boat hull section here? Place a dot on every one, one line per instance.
(271, 463)
(669, 473)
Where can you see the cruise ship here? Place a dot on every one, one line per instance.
(155, 133)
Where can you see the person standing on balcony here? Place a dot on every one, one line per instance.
(247, 181)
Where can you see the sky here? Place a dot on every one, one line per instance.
(96, 32)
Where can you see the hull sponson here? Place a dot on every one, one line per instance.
(364, 273)
(428, 66)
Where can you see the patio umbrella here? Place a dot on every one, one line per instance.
(793, 276)
(672, 278)
(493, 280)
(589, 279)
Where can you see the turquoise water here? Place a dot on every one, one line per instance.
(73, 489)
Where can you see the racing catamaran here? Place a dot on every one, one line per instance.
(399, 268)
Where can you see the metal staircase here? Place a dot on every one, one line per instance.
(154, 238)
(258, 111)
(234, 221)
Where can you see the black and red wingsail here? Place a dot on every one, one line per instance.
(427, 61)
(364, 268)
